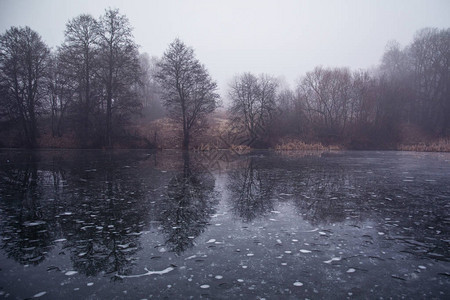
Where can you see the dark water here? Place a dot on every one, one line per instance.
(141, 225)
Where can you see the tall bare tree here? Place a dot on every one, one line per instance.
(23, 66)
(327, 97)
(430, 63)
(253, 103)
(188, 91)
(148, 90)
(119, 65)
(61, 91)
(77, 58)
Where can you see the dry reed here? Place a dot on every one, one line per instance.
(441, 145)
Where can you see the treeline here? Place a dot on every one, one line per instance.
(88, 87)
(362, 109)
(91, 86)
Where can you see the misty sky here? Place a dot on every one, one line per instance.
(282, 38)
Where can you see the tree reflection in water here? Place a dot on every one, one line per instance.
(251, 190)
(107, 213)
(95, 205)
(25, 223)
(190, 202)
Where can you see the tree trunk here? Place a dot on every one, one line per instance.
(108, 120)
(185, 139)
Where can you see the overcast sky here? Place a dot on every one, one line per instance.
(282, 38)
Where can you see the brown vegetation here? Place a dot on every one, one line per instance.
(295, 145)
(441, 145)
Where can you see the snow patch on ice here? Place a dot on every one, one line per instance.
(165, 271)
(39, 294)
(332, 259)
(70, 273)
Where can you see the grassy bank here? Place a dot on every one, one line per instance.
(441, 145)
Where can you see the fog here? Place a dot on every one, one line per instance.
(282, 38)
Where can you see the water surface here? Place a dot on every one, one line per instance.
(141, 225)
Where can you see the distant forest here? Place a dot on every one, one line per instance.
(96, 90)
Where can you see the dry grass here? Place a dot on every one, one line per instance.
(296, 145)
(68, 140)
(240, 149)
(206, 147)
(441, 145)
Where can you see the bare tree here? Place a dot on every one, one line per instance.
(78, 59)
(119, 67)
(291, 120)
(148, 89)
(61, 91)
(430, 63)
(23, 65)
(327, 97)
(253, 103)
(188, 91)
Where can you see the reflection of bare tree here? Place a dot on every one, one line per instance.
(190, 202)
(107, 214)
(251, 191)
(323, 195)
(24, 226)
(92, 201)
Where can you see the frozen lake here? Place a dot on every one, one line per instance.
(142, 225)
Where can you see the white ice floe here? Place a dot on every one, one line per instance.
(422, 267)
(351, 270)
(39, 294)
(204, 286)
(211, 241)
(298, 283)
(218, 277)
(165, 271)
(70, 273)
(305, 251)
(36, 223)
(332, 259)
